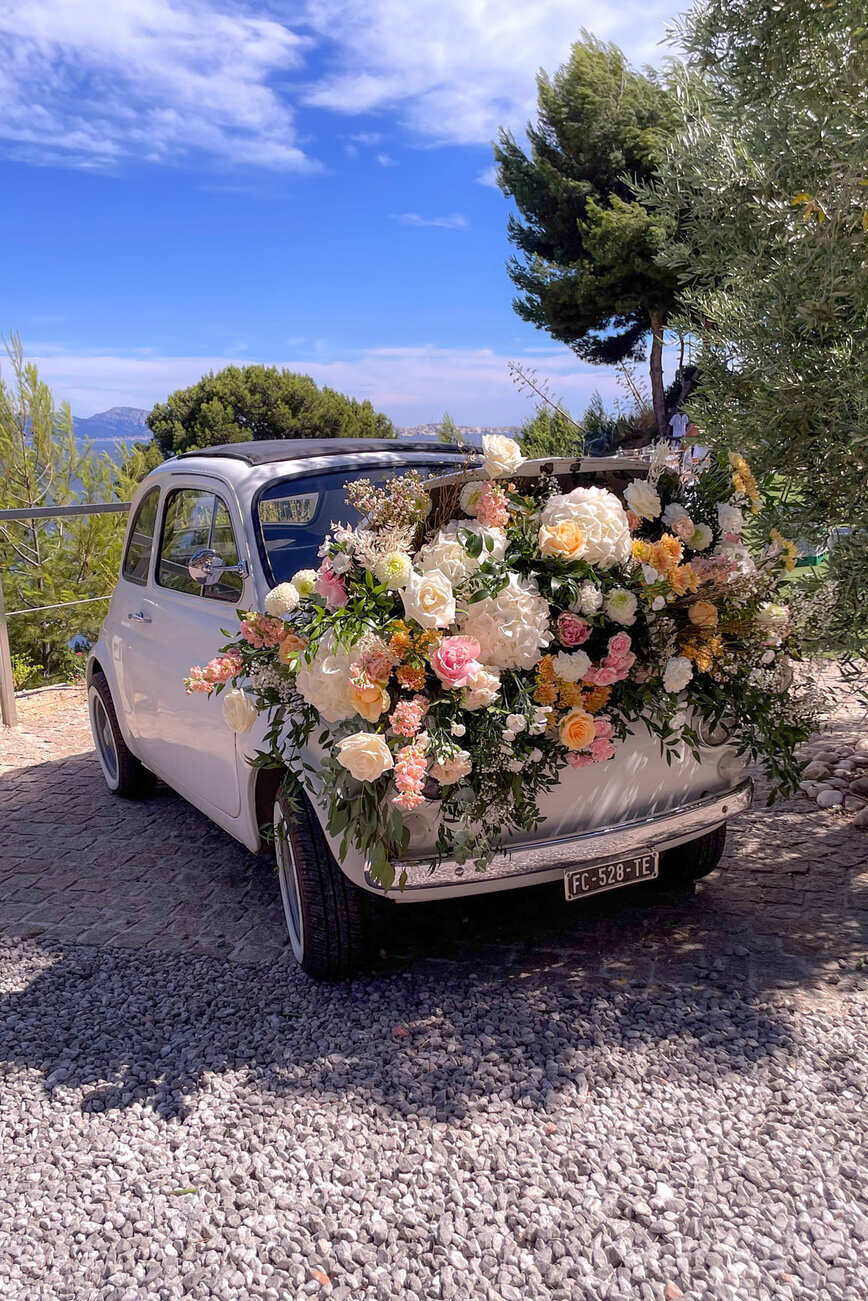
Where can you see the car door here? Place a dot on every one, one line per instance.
(184, 738)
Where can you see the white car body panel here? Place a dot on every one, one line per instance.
(183, 739)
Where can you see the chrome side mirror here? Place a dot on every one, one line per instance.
(208, 567)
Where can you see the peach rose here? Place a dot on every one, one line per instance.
(703, 614)
(370, 701)
(564, 540)
(577, 730)
(289, 647)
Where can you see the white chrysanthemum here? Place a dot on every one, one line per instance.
(325, 682)
(642, 499)
(590, 600)
(571, 667)
(394, 570)
(304, 581)
(729, 517)
(470, 494)
(502, 455)
(621, 606)
(702, 536)
(282, 599)
(677, 673)
(673, 512)
(510, 627)
(601, 518)
(447, 553)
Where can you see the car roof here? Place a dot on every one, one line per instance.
(269, 450)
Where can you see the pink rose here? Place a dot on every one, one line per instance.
(330, 586)
(601, 749)
(620, 644)
(454, 661)
(579, 760)
(603, 728)
(572, 630)
(684, 528)
(605, 676)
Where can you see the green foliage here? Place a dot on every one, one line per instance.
(133, 462)
(768, 180)
(449, 431)
(241, 403)
(24, 672)
(551, 431)
(47, 561)
(589, 270)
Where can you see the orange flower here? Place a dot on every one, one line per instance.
(633, 521)
(576, 729)
(570, 695)
(289, 647)
(683, 579)
(399, 644)
(703, 614)
(563, 541)
(546, 669)
(597, 698)
(411, 677)
(546, 694)
(670, 552)
(642, 551)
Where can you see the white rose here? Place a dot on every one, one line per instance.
(673, 512)
(239, 711)
(571, 667)
(428, 598)
(621, 606)
(282, 599)
(469, 496)
(502, 455)
(642, 499)
(304, 581)
(446, 550)
(601, 518)
(453, 768)
(702, 536)
(365, 755)
(516, 722)
(481, 691)
(511, 626)
(394, 570)
(325, 682)
(590, 600)
(677, 673)
(729, 517)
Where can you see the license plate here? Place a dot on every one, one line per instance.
(582, 881)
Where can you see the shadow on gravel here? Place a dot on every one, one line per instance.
(568, 996)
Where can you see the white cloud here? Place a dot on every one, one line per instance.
(386, 160)
(413, 385)
(453, 222)
(488, 176)
(91, 84)
(457, 70)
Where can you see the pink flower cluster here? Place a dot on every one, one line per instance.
(684, 528)
(615, 665)
(330, 586)
(406, 717)
(220, 669)
(378, 663)
(261, 630)
(600, 749)
(410, 766)
(572, 631)
(454, 661)
(491, 508)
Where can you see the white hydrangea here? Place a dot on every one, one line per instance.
(571, 667)
(590, 600)
(446, 551)
(510, 627)
(642, 499)
(677, 673)
(621, 606)
(601, 518)
(729, 517)
(281, 600)
(325, 681)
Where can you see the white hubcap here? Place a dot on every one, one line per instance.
(288, 877)
(104, 739)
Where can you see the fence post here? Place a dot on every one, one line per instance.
(8, 708)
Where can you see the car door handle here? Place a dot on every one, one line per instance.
(139, 616)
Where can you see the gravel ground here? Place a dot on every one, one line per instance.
(178, 1126)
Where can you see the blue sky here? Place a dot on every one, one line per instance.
(195, 182)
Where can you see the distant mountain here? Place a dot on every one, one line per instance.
(118, 424)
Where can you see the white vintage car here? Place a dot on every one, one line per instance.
(214, 530)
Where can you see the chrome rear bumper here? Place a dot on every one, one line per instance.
(547, 859)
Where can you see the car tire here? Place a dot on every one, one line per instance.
(685, 864)
(124, 774)
(327, 916)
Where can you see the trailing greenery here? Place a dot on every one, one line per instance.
(588, 269)
(241, 403)
(767, 180)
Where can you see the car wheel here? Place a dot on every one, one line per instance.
(685, 864)
(124, 774)
(326, 914)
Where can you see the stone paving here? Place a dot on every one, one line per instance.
(788, 908)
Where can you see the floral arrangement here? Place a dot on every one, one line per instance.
(470, 640)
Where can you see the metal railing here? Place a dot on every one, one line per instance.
(8, 708)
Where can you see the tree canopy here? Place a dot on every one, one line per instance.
(241, 403)
(588, 269)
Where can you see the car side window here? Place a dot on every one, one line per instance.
(193, 519)
(140, 543)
